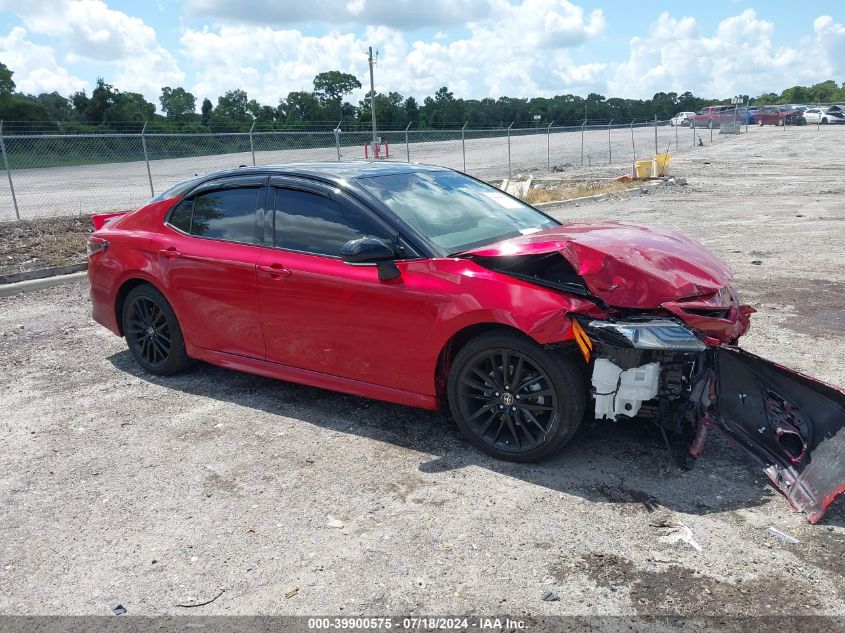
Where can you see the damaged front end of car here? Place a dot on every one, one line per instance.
(791, 425)
(665, 349)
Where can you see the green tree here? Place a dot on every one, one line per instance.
(102, 100)
(58, 107)
(767, 98)
(206, 111)
(79, 102)
(332, 86)
(300, 107)
(7, 86)
(795, 94)
(177, 104)
(412, 111)
(232, 106)
(130, 106)
(17, 107)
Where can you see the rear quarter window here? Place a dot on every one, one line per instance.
(180, 217)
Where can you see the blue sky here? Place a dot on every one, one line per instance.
(479, 48)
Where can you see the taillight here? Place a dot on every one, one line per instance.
(96, 245)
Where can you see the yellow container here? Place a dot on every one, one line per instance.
(643, 168)
(661, 164)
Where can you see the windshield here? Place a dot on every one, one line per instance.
(454, 211)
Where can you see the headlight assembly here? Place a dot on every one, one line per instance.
(658, 334)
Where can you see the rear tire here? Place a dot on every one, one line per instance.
(824, 121)
(513, 399)
(152, 332)
(760, 123)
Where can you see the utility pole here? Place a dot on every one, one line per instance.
(373, 96)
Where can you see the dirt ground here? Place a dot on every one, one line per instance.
(36, 244)
(119, 486)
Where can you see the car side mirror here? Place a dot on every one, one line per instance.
(371, 250)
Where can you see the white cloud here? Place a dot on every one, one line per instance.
(830, 36)
(480, 48)
(400, 14)
(90, 31)
(523, 52)
(739, 58)
(35, 66)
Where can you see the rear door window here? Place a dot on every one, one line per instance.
(226, 214)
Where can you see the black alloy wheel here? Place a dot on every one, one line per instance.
(513, 399)
(148, 333)
(152, 332)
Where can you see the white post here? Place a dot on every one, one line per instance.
(372, 98)
(510, 172)
(147, 158)
(407, 145)
(251, 144)
(464, 146)
(549, 147)
(9, 172)
(582, 139)
(655, 134)
(633, 150)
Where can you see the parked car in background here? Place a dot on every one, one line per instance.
(741, 115)
(833, 114)
(682, 118)
(822, 116)
(752, 115)
(709, 117)
(779, 115)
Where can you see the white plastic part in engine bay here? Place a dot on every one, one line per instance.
(621, 392)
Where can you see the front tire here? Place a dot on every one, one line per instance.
(152, 332)
(513, 399)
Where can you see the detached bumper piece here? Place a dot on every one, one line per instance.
(791, 425)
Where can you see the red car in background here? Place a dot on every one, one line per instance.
(710, 117)
(778, 115)
(425, 287)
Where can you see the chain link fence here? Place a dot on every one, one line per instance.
(63, 174)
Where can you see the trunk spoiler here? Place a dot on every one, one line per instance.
(99, 220)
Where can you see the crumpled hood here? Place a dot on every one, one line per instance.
(626, 265)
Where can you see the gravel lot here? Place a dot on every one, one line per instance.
(116, 485)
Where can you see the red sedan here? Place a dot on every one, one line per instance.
(423, 286)
(778, 115)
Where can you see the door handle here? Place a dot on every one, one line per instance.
(276, 271)
(170, 253)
